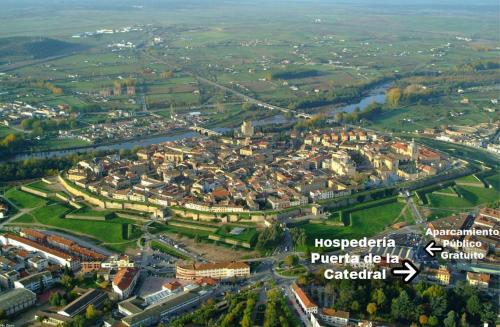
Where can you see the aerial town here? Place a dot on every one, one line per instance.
(308, 163)
(256, 171)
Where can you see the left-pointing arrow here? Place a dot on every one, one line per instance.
(431, 248)
(408, 270)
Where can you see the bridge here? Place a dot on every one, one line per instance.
(204, 131)
(304, 115)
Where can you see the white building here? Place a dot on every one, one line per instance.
(305, 303)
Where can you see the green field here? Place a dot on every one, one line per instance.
(23, 199)
(494, 181)
(41, 186)
(469, 179)
(25, 219)
(470, 196)
(168, 250)
(87, 211)
(111, 231)
(248, 235)
(365, 222)
(51, 214)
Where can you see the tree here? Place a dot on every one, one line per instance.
(433, 321)
(66, 281)
(423, 319)
(371, 308)
(393, 96)
(473, 305)
(355, 306)
(463, 320)
(439, 305)
(434, 291)
(307, 254)
(488, 313)
(291, 260)
(401, 307)
(378, 296)
(54, 299)
(90, 312)
(80, 278)
(451, 319)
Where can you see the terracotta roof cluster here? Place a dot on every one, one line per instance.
(425, 153)
(60, 240)
(87, 252)
(39, 247)
(124, 278)
(483, 278)
(335, 313)
(206, 281)
(172, 286)
(34, 233)
(217, 265)
(303, 297)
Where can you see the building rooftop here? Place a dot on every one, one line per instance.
(15, 296)
(483, 278)
(218, 265)
(39, 247)
(124, 278)
(35, 277)
(335, 313)
(82, 302)
(303, 297)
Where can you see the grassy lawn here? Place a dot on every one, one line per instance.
(470, 197)
(41, 186)
(366, 222)
(26, 218)
(447, 190)
(23, 199)
(291, 271)
(494, 181)
(111, 231)
(189, 232)
(248, 235)
(87, 211)
(168, 250)
(121, 247)
(470, 179)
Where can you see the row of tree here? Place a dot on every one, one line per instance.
(422, 304)
(269, 238)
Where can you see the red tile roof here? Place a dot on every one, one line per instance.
(172, 285)
(303, 297)
(39, 247)
(123, 279)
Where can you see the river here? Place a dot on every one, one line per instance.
(376, 94)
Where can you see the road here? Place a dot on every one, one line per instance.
(416, 213)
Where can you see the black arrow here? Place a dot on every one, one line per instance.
(409, 270)
(431, 248)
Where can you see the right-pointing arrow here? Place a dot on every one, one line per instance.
(410, 272)
(431, 248)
